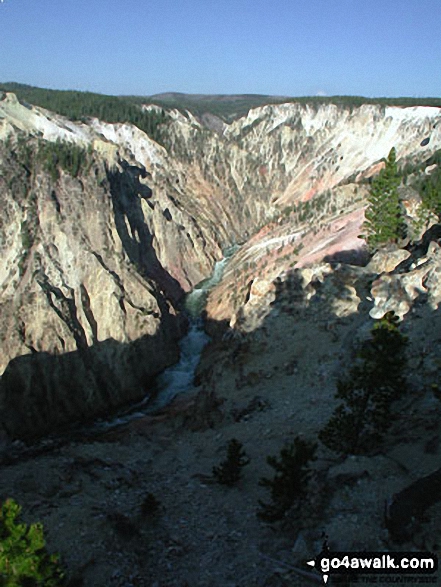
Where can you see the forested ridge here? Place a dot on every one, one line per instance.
(77, 104)
(82, 105)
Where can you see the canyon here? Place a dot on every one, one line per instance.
(98, 256)
(94, 266)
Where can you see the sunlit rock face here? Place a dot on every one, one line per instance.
(398, 291)
(94, 264)
(304, 164)
(83, 298)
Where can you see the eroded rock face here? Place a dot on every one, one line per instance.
(94, 263)
(394, 281)
(387, 259)
(399, 291)
(87, 309)
(44, 392)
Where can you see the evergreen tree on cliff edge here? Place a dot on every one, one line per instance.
(384, 222)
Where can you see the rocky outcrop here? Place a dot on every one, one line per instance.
(399, 291)
(277, 250)
(406, 510)
(397, 280)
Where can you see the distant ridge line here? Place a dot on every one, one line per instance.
(227, 107)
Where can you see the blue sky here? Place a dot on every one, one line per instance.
(280, 47)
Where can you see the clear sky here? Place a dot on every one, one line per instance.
(280, 47)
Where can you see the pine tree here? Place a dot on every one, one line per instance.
(230, 470)
(151, 506)
(384, 219)
(290, 481)
(430, 192)
(368, 391)
(23, 556)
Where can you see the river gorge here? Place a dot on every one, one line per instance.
(96, 263)
(161, 299)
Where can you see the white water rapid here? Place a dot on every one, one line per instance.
(179, 377)
(176, 379)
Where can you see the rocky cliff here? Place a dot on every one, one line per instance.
(103, 231)
(83, 296)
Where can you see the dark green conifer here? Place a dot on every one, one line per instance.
(290, 481)
(384, 218)
(229, 471)
(23, 556)
(374, 382)
(430, 192)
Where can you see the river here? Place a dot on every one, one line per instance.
(179, 377)
(175, 380)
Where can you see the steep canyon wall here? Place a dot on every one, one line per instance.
(96, 255)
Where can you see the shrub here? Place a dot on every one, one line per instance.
(24, 561)
(123, 526)
(368, 391)
(230, 470)
(150, 506)
(290, 481)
